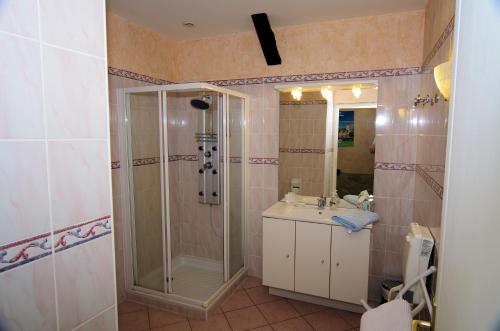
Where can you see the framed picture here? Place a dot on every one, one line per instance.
(346, 128)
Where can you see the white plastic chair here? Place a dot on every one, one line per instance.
(397, 314)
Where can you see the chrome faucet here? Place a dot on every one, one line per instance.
(321, 202)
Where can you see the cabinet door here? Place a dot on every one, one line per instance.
(350, 263)
(278, 253)
(312, 259)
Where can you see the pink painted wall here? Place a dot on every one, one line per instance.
(376, 42)
(135, 48)
(56, 246)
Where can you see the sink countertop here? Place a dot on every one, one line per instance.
(304, 213)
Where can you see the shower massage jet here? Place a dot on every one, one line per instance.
(207, 137)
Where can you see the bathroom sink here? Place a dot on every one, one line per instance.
(304, 212)
(300, 212)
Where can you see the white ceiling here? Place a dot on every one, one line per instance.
(215, 17)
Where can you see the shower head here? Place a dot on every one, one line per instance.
(203, 103)
(200, 104)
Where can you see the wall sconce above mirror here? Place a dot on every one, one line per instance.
(442, 76)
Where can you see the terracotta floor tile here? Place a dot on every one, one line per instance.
(215, 311)
(251, 282)
(277, 311)
(159, 318)
(136, 321)
(237, 300)
(260, 294)
(327, 320)
(182, 326)
(305, 308)
(353, 319)
(130, 307)
(263, 328)
(295, 324)
(214, 323)
(245, 319)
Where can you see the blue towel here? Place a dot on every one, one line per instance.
(355, 219)
(353, 199)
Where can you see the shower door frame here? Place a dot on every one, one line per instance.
(127, 193)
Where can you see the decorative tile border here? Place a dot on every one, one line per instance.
(115, 164)
(136, 76)
(302, 150)
(263, 160)
(440, 42)
(319, 77)
(303, 103)
(422, 170)
(145, 161)
(432, 167)
(31, 249)
(395, 166)
(434, 185)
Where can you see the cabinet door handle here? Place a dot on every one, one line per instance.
(322, 261)
(337, 264)
(287, 256)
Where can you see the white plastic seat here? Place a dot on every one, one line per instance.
(397, 315)
(392, 316)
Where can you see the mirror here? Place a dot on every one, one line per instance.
(327, 139)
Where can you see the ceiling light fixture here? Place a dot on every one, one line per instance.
(297, 93)
(356, 91)
(188, 24)
(326, 93)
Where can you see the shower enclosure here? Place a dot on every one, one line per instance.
(185, 196)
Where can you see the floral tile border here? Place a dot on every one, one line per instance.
(136, 76)
(433, 184)
(422, 170)
(145, 161)
(263, 160)
(319, 77)
(21, 252)
(440, 42)
(302, 150)
(303, 103)
(395, 166)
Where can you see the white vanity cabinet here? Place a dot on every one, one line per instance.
(313, 258)
(279, 244)
(350, 264)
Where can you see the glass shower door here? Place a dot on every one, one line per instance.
(236, 185)
(146, 191)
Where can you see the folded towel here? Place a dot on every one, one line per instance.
(345, 204)
(351, 199)
(355, 219)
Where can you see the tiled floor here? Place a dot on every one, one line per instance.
(249, 308)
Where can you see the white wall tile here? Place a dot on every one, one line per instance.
(21, 114)
(27, 297)
(85, 281)
(19, 17)
(104, 322)
(75, 89)
(24, 202)
(79, 181)
(74, 24)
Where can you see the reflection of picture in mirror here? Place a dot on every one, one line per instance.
(346, 128)
(355, 158)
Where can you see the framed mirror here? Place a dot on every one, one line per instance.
(327, 139)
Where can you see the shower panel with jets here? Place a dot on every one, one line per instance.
(185, 197)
